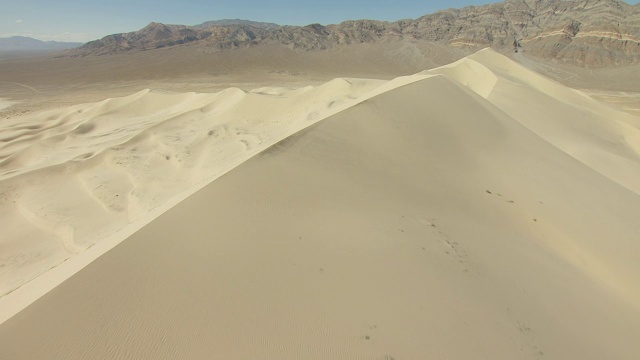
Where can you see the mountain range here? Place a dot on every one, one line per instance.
(22, 43)
(588, 33)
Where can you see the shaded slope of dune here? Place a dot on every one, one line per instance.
(425, 222)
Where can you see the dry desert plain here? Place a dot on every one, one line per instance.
(477, 210)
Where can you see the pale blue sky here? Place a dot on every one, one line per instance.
(84, 20)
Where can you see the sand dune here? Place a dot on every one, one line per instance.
(116, 160)
(121, 162)
(604, 138)
(477, 210)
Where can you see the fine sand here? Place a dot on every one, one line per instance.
(5, 103)
(474, 211)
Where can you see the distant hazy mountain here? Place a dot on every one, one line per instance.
(230, 22)
(587, 33)
(16, 43)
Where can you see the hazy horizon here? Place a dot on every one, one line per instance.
(79, 21)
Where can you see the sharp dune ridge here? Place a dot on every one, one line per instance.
(476, 210)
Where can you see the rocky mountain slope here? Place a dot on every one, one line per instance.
(582, 32)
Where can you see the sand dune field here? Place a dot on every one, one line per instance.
(474, 211)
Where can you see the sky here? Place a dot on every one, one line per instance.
(85, 20)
